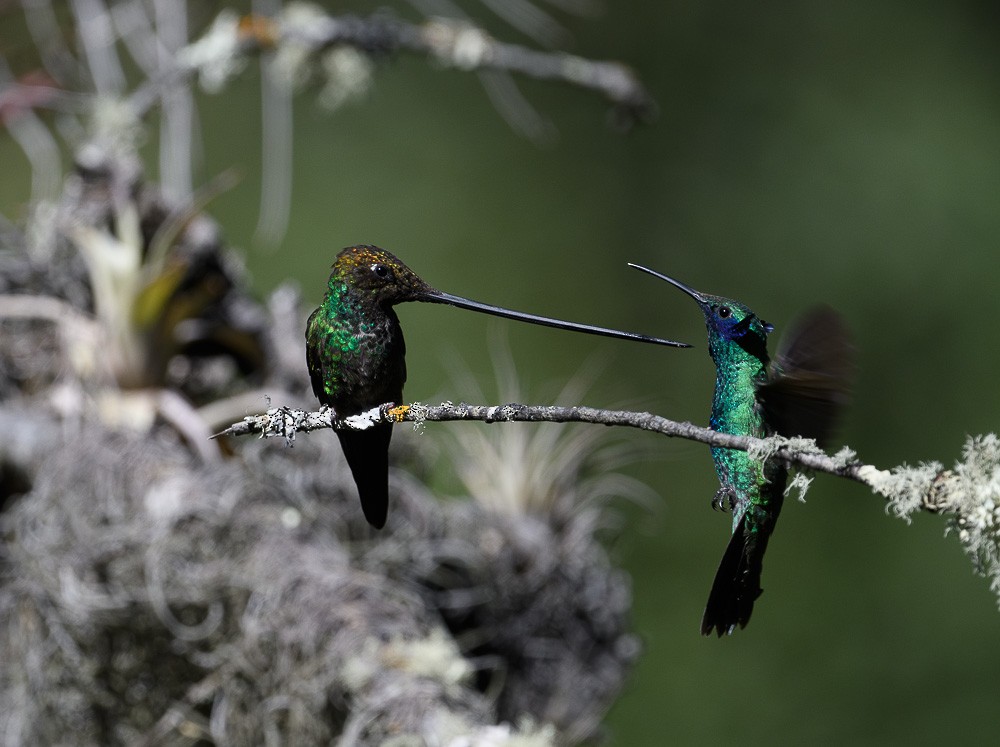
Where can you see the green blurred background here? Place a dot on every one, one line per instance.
(840, 152)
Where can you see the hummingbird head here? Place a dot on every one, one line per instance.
(377, 276)
(727, 321)
(730, 320)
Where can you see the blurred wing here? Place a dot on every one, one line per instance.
(811, 377)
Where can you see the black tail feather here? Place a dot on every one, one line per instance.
(367, 455)
(737, 584)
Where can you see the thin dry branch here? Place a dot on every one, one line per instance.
(460, 45)
(800, 452)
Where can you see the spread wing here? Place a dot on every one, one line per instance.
(811, 377)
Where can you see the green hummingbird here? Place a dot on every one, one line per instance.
(799, 393)
(356, 354)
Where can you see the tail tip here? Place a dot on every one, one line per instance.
(720, 627)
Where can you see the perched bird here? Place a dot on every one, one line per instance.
(356, 354)
(798, 394)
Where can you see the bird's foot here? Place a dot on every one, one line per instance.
(724, 500)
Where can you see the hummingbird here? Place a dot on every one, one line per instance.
(356, 354)
(799, 393)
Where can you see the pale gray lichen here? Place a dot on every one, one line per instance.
(117, 125)
(457, 44)
(845, 457)
(456, 732)
(294, 54)
(349, 75)
(763, 449)
(435, 656)
(216, 55)
(800, 483)
(800, 445)
(419, 413)
(971, 491)
(904, 487)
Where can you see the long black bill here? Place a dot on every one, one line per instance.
(437, 296)
(699, 297)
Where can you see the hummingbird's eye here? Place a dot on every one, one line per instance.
(724, 312)
(381, 270)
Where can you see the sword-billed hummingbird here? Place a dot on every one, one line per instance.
(356, 354)
(798, 394)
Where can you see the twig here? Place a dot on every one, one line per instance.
(449, 43)
(286, 422)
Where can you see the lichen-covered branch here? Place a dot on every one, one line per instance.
(923, 488)
(302, 34)
(286, 421)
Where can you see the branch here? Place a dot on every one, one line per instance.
(800, 452)
(223, 49)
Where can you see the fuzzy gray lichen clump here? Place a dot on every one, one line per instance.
(216, 55)
(905, 488)
(799, 484)
(973, 494)
(969, 494)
